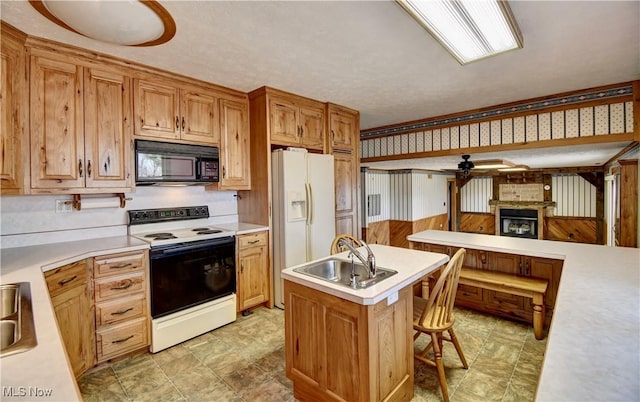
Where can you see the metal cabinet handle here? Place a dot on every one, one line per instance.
(124, 286)
(120, 266)
(123, 311)
(253, 241)
(177, 123)
(89, 168)
(80, 167)
(123, 339)
(224, 172)
(333, 134)
(67, 280)
(183, 124)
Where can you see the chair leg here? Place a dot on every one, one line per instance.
(436, 340)
(458, 347)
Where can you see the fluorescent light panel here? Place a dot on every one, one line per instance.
(493, 164)
(470, 30)
(517, 168)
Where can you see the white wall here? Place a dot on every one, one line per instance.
(27, 220)
(406, 195)
(475, 195)
(573, 195)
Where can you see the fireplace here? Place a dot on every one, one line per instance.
(519, 223)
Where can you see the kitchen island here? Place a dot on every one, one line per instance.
(354, 344)
(593, 346)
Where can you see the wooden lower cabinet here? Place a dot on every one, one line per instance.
(338, 350)
(253, 273)
(121, 304)
(72, 303)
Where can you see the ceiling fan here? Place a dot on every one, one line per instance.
(466, 165)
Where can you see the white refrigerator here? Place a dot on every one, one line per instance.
(303, 210)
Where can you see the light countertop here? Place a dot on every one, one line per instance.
(410, 264)
(241, 228)
(45, 367)
(593, 347)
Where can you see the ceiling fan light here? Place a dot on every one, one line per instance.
(128, 23)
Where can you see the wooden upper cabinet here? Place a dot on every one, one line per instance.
(346, 186)
(343, 128)
(296, 122)
(79, 144)
(164, 110)
(13, 97)
(199, 117)
(107, 107)
(157, 110)
(234, 144)
(56, 119)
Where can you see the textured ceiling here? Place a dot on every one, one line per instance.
(373, 57)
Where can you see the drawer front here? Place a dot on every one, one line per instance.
(66, 277)
(252, 240)
(118, 264)
(120, 286)
(503, 301)
(119, 310)
(122, 338)
(469, 293)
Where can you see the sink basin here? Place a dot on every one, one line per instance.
(17, 332)
(339, 271)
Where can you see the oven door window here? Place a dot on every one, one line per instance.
(183, 277)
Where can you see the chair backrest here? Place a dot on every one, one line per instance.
(336, 248)
(443, 295)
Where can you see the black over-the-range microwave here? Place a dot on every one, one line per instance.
(160, 163)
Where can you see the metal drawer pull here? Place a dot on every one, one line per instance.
(65, 281)
(124, 286)
(120, 266)
(123, 311)
(123, 339)
(253, 241)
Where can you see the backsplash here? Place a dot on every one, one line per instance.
(29, 220)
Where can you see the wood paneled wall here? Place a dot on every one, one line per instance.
(395, 232)
(577, 230)
(477, 223)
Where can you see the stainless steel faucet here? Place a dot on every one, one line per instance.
(369, 262)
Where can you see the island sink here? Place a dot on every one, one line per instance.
(348, 273)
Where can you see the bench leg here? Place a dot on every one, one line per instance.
(538, 316)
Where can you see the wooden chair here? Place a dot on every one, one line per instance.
(434, 317)
(335, 248)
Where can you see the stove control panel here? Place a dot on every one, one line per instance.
(141, 216)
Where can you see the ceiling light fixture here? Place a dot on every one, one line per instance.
(494, 164)
(466, 165)
(517, 168)
(129, 23)
(469, 29)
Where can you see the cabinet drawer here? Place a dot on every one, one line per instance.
(118, 264)
(66, 277)
(469, 293)
(121, 338)
(119, 310)
(120, 286)
(252, 240)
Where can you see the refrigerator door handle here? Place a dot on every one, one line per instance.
(309, 203)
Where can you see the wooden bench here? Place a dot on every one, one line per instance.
(533, 288)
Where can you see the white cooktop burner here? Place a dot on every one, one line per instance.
(159, 236)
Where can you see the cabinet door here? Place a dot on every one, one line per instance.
(343, 127)
(507, 263)
(199, 121)
(311, 122)
(157, 110)
(283, 122)
(545, 268)
(234, 146)
(57, 136)
(76, 323)
(11, 101)
(253, 278)
(346, 186)
(107, 110)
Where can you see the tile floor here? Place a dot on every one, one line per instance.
(244, 361)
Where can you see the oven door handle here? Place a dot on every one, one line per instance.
(177, 250)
